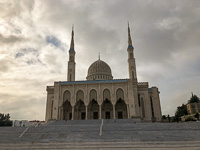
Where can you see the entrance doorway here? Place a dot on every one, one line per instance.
(67, 109)
(120, 115)
(83, 115)
(107, 115)
(121, 109)
(70, 116)
(95, 115)
(93, 110)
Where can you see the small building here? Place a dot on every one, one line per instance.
(193, 108)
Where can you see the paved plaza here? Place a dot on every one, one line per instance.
(103, 135)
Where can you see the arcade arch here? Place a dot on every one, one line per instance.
(66, 109)
(120, 106)
(79, 110)
(93, 109)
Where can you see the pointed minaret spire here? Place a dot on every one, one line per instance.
(71, 62)
(129, 37)
(131, 59)
(72, 40)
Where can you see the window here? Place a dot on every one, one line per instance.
(132, 74)
(52, 109)
(152, 110)
(193, 110)
(131, 55)
(139, 99)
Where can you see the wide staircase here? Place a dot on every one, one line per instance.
(100, 134)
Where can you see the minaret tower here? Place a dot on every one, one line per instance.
(131, 59)
(71, 62)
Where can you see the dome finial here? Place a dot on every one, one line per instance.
(99, 56)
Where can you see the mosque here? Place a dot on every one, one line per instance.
(100, 96)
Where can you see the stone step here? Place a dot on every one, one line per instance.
(112, 130)
(137, 145)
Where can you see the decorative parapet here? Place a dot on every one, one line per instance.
(50, 89)
(93, 81)
(143, 84)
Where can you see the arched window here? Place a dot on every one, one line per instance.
(120, 94)
(66, 96)
(93, 95)
(106, 94)
(79, 95)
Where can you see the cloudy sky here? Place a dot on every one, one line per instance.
(35, 38)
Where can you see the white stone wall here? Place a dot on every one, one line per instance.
(130, 88)
(50, 99)
(99, 87)
(156, 103)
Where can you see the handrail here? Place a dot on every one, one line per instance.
(23, 132)
(101, 128)
(37, 124)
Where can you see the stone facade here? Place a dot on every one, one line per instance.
(101, 96)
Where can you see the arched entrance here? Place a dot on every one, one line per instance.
(107, 108)
(93, 105)
(93, 110)
(121, 109)
(66, 106)
(79, 108)
(120, 106)
(67, 111)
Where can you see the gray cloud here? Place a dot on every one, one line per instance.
(10, 39)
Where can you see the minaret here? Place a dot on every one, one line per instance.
(71, 62)
(131, 59)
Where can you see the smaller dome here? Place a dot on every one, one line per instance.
(99, 70)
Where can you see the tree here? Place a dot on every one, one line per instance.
(181, 111)
(164, 117)
(197, 116)
(5, 120)
(194, 99)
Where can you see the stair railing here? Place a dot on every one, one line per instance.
(23, 132)
(101, 128)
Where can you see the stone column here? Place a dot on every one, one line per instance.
(86, 112)
(61, 113)
(114, 111)
(72, 112)
(100, 112)
(128, 111)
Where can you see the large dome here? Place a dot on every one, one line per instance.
(99, 70)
